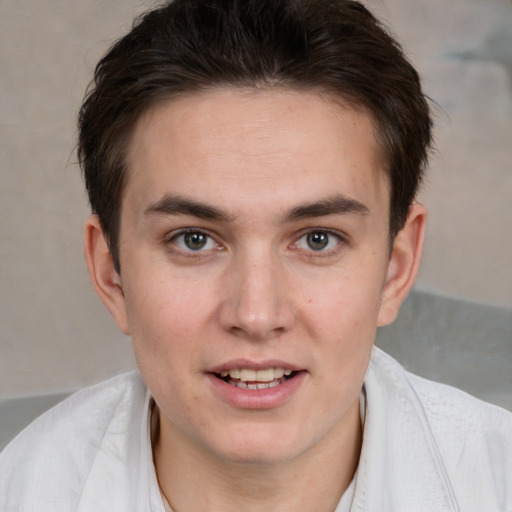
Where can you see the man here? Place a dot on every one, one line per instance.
(252, 168)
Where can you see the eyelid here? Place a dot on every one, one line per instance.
(342, 240)
(171, 237)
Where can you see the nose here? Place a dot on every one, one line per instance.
(257, 302)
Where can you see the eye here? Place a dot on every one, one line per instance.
(318, 241)
(193, 241)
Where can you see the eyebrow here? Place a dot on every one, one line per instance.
(177, 205)
(334, 205)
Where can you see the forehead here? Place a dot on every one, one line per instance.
(248, 143)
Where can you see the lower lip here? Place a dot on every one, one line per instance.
(267, 398)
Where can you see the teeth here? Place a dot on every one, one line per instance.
(254, 385)
(246, 375)
(263, 376)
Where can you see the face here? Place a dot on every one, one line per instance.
(255, 267)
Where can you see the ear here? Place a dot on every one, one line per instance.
(104, 277)
(403, 264)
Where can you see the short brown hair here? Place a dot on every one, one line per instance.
(336, 46)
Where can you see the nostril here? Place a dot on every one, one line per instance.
(250, 332)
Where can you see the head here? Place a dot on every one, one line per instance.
(333, 47)
(249, 163)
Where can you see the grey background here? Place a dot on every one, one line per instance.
(56, 337)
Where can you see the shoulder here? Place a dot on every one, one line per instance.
(475, 437)
(446, 408)
(472, 438)
(49, 461)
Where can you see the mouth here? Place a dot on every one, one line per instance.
(247, 378)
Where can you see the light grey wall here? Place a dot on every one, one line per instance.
(55, 335)
(463, 50)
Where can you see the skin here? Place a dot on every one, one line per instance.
(257, 291)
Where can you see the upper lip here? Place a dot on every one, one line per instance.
(254, 365)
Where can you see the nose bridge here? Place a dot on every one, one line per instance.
(258, 304)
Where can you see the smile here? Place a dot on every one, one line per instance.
(247, 378)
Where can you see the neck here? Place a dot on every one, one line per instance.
(313, 481)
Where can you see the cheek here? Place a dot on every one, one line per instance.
(343, 321)
(163, 308)
(170, 319)
(165, 334)
(348, 302)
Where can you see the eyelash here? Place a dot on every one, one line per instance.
(312, 253)
(321, 253)
(171, 241)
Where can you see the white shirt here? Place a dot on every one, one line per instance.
(426, 448)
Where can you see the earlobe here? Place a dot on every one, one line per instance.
(104, 277)
(403, 264)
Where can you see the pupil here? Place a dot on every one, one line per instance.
(318, 240)
(195, 241)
